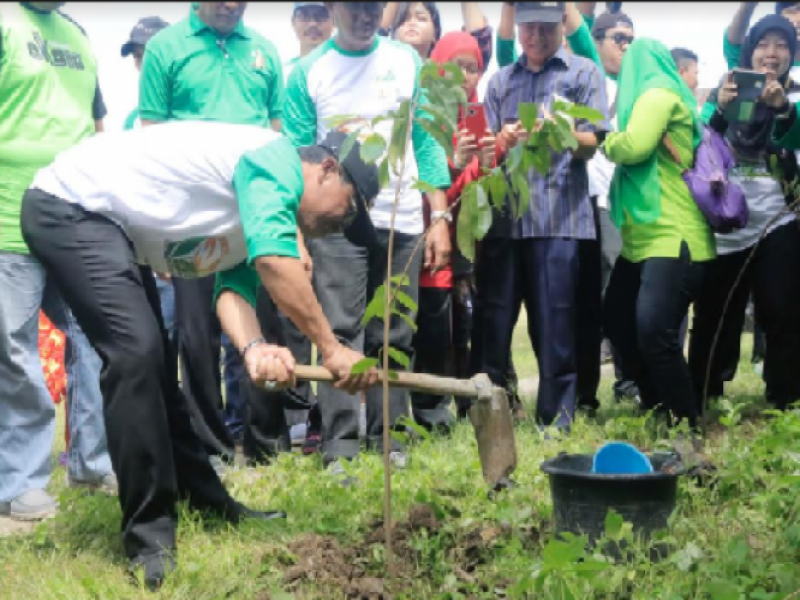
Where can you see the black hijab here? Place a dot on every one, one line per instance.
(751, 140)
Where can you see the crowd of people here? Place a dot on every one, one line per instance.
(224, 237)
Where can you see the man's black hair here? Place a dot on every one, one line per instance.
(315, 155)
(403, 8)
(681, 56)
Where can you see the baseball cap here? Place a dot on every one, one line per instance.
(141, 34)
(610, 21)
(539, 12)
(361, 232)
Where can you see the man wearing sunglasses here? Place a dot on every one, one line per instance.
(190, 199)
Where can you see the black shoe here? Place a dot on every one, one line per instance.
(156, 566)
(589, 405)
(238, 512)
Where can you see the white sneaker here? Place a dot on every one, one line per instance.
(399, 460)
(33, 505)
(106, 484)
(759, 369)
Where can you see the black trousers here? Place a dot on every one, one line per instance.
(433, 353)
(198, 332)
(644, 308)
(589, 324)
(154, 450)
(543, 274)
(773, 277)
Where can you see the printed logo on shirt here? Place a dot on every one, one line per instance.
(196, 257)
(258, 60)
(54, 53)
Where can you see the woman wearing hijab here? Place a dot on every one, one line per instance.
(444, 320)
(665, 237)
(764, 149)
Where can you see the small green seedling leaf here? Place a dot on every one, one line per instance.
(400, 357)
(373, 148)
(424, 186)
(528, 113)
(364, 365)
(348, 143)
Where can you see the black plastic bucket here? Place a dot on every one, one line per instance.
(582, 499)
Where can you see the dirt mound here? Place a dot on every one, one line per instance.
(358, 571)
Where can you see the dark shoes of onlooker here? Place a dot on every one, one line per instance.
(589, 405)
(313, 441)
(626, 390)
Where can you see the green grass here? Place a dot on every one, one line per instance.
(740, 539)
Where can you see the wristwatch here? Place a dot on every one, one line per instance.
(441, 214)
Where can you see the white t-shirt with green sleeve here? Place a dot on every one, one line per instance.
(332, 82)
(194, 197)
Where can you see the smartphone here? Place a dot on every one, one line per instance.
(749, 87)
(475, 121)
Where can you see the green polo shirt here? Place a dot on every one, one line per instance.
(190, 71)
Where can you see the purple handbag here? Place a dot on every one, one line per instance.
(722, 202)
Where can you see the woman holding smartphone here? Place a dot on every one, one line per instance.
(665, 238)
(764, 147)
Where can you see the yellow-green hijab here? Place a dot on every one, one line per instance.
(635, 189)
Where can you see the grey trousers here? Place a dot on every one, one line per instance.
(345, 280)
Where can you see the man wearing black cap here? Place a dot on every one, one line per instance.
(190, 199)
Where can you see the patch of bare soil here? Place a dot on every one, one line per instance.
(11, 527)
(353, 571)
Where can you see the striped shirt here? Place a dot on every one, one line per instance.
(559, 206)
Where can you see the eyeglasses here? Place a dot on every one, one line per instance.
(318, 14)
(620, 38)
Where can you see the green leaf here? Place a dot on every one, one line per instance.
(523, 193)
(464, 237)
(537, 158)
(383, 173)
(398, 141)
(348, 143)
(375, 308)
(409, 321)
(424, 187)
(576, 111)
(442, 116)
(393, 375)
(406, 300)
(498, 188)
(373, 148)
(514, 158)
(401, 279)
(436, 132)
(565, 130)
(528, 113)
(337, 120)
(400, 357)
(482, 220)
(560, 554)
(364, 365)
(453, 74)
(613, 523)
(719, 589)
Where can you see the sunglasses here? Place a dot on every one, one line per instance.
(307, 14)
(620, 38)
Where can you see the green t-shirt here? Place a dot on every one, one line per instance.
(48, 86)
(269, 184)
(656, 112)
(191, 72)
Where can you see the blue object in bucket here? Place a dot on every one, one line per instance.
(619, 458)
